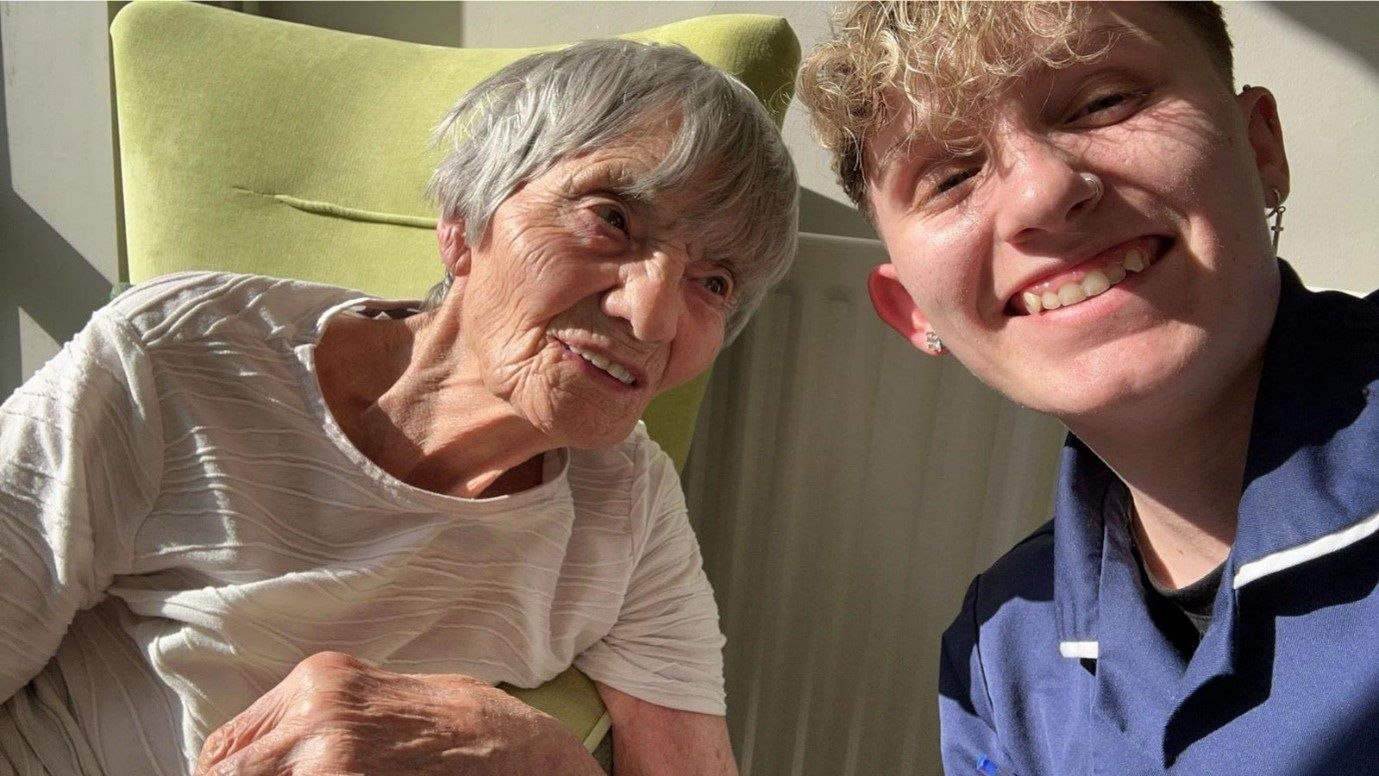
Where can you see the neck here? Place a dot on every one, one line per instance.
(410, 398)
(1184, 469)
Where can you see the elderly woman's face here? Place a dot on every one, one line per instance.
(582, 303)
(1186, 167)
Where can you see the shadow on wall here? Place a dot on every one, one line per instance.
(41, 275)
(827, 216)
(1348, 25)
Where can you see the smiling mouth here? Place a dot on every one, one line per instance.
(604, 364)
(1091, 278)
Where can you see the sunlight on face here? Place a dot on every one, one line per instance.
(1185, 279)
(583, 302)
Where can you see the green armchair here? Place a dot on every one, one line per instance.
(255, 145)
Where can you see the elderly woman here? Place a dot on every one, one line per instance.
(222, 475)
(1074, 200)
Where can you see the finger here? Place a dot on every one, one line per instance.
(263, 756)
(262, 716)
(247, 727)
(289, 698)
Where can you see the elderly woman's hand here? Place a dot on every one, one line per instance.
(335, 714)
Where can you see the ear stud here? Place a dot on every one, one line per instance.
(932, 341)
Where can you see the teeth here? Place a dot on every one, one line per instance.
(618, 371)
(1071, 293)
(1095, 283)
(595, 359)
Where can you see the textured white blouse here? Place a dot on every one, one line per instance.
(182, 522)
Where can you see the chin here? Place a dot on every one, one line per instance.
(583, 431)
(1099, 384)
(607, 437)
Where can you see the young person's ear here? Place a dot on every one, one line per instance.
(897, 308)
(1266, 140)
(454, 248)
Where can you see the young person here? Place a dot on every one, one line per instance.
(1077, 203)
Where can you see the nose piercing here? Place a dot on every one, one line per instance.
(1094, 183)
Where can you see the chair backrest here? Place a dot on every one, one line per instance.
(261, 146)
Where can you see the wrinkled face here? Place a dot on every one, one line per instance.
(1071, 301)
(582, 302)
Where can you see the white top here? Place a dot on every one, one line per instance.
(182, 522)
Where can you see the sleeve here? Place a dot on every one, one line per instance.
(968, 742)
(666, 647)
(80, 448)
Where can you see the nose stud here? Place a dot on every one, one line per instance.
(1093, 182)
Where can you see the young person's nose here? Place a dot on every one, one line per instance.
(1043, 189)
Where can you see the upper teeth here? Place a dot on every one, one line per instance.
(618, 371)
(1093, 283)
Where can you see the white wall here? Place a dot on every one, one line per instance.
(59, 233)
(1322, 62)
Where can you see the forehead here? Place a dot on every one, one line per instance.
(934, 119)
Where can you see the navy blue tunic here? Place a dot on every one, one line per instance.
(1054, 665)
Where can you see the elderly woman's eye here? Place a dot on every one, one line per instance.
(718, 285)
(613, 217)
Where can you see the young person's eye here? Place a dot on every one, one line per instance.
(1106, 109)
(945, 184)
(953, 181)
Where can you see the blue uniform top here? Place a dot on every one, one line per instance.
(1055, 665)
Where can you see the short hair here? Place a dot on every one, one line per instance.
(947, 60)
(554, 105)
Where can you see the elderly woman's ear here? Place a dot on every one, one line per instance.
(454, 249)
(1266, 140)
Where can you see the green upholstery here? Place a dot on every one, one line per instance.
(255, 145)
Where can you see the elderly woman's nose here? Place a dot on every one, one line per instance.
(648, 297)
(1043, 189)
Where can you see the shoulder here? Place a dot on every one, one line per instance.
(636, 464)
(632, 484)
(188, 306)
(1013, 599)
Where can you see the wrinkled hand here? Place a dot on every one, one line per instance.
(337, 715)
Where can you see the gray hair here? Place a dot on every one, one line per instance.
(520, 121)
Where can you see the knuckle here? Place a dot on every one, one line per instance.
(331, 661)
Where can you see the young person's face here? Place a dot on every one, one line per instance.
(1187, 169)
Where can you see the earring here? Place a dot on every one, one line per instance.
(933, 342)
(1276, 213)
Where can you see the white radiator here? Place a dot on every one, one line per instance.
(845, 489)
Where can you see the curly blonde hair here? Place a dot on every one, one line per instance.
(945, 61)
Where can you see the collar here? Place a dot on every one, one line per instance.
(1311, 486)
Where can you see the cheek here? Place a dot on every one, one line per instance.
(1194, 166)
(946, 270)
(694, 351)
